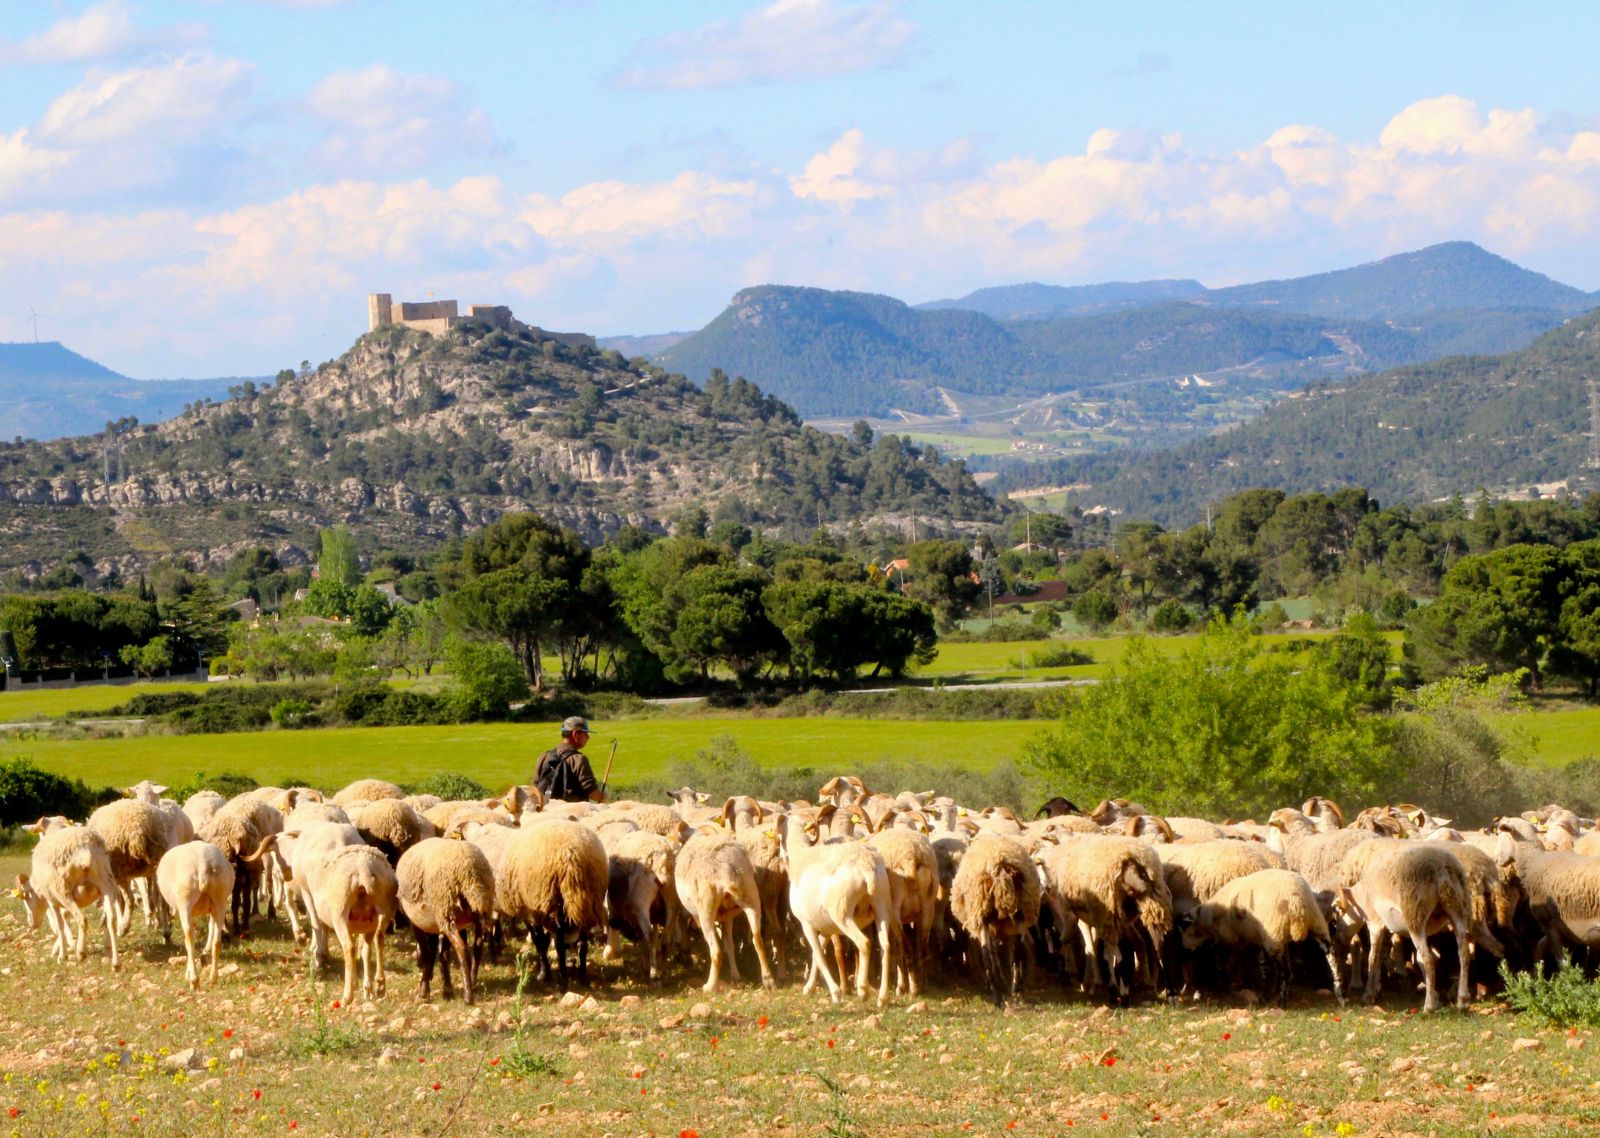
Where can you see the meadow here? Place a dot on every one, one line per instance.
(274, 1054)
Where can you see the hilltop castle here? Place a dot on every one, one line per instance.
(436, 317)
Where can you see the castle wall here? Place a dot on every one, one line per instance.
(380, 312)
(410, 311)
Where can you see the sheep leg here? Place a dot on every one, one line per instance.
(191, 971)
(838, 959)
(1463, 932)
(1091, 959)
(561, 956)
(341, 933)
(863, 945)
(1333, 969)
(1376, 934)
(1430, 970)
(713, 938)
(819, 964)
(752, 916)
(427, 949)
(459, 947)
(730, 951)
(541, 946)
(382, 980)
(214, 945)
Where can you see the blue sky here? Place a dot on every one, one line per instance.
(194, 188)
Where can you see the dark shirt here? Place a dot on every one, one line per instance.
(580, 779)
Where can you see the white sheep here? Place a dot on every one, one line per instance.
(837, 890)
(196, 881)
(136, 834)
(355, 896)
(1269, 910)
(715, 881)
(1562, 889)
(641, 895)
(70, 870)
(201, 805)
(446, 887)
(913, 899)
(1414, 889)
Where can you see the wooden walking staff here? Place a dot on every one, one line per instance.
(609, 759)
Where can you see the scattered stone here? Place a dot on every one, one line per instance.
(186, 1060)
(630, 1001)
(236, 1055)
(1575, 1042)
(666, 1023)
(207, 1085)
(504, 1021)
(590, 1004)
(873, 1022)
(389, 1056)
(1402, 1064)
(1527, 1044)
(571, 1000)
(918, 1008)
(861, 1083)
(399, 1023)
(946, 1059)
(701, 1010)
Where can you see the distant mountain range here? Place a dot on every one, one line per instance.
(414, 438)
(48, 391)
(840, 354)
(1495, 423)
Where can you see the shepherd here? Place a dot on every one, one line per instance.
(564, 772)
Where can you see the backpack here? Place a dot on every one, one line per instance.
(555, 779)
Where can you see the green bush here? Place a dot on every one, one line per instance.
(219, 718)
(1059, 656)
(1000, 630)
(28, 793)
(1171, 616)
(291, 713)
(1272, 617)
(1565, 998)
(226, 784)
(150, 704)
(451, 786)
(486, 679)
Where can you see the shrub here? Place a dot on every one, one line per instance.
(1565, 998)
(450, 786)
(226, 784)
(150, 704)
(1059, 656)
(28, 793)
(1001, 630)
(216, 718)
(487, 679)
(1171, 616)
(293, 713)
(1271, 617)
(1095, 610)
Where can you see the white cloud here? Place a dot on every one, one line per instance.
(382, 122)
(101, 31)
(787, 40)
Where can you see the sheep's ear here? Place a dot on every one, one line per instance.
(35, 827)
(829, 787)
(1130, 825)
(727, 813)
(761, 815)
(158, 788)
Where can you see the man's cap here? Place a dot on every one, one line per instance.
(574, 723)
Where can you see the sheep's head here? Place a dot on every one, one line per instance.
(31, 901)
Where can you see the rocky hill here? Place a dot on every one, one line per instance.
(47, 391)
(414, 439)
(1503, 424)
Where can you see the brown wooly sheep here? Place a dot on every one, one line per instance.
(445, 887)
(641, 894)
(367, 790)
(388, 824)
(715, 882)
(236, 830)
(1114, 891)
(995, 897)
(1310, 853)
(136, 834)
(913, 898)
(1269, 910)
(554, 879)
(1195, 871)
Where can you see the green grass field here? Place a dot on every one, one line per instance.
(957, 444)
(1557, 738)
(36, 703)
(499, 754)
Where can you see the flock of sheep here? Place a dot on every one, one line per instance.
(1120, 901)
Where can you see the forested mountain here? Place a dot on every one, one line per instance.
(1040, 301)
(836, 354)
(1454, 275)
(417, 438)
(47, 390)
(1411, 434)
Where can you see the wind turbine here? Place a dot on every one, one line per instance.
(33, 316)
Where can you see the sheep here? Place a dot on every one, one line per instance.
(1057, 807)
(201, 805)
(180, 827)
(1113, 889)
(390, 825)
(640, 891)
(70, 869)
(1270, 910)
(196, 881)
(554, 879)
(1324, 813)
(995, 898)
(1413, 889)
(136, 834)
(1311, 853)
(838, 890)
(714, 880)
(237, 831)
(295, 852)
(1562, 890)
(1195, 871)
(367, 790)
(354, 893)
(1588, 844)
(747, 818)
(445, 887)
(913, 898)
